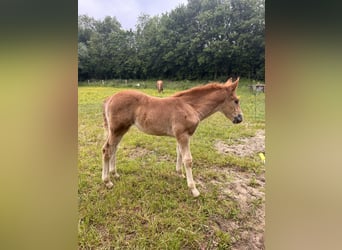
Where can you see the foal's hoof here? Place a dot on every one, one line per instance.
(116, 175)
(181, 175)
(195, 192)
(109, 184)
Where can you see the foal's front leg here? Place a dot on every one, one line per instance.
(184, 144)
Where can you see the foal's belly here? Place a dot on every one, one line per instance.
(154, 123)
(154, 128)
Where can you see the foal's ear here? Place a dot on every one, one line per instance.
(229, 81)
(235, 84)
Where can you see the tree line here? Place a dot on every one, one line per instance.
(204, 39)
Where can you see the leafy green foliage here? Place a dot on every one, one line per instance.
(201, 40)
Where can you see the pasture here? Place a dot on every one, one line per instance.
(150, 206)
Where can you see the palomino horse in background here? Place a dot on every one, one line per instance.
(160, 86)
(177, 116)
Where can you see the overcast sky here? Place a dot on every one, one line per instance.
(126, 11)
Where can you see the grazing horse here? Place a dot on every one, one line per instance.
(177, 116)
(160, 86)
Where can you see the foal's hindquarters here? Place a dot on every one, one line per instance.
(115, 130)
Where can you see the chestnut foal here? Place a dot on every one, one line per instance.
(177, 116)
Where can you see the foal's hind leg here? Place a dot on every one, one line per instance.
(183, 142)
(108, 158)
(179, 163)
(106, 155)
(112, 163)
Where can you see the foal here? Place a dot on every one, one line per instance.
(177, 116)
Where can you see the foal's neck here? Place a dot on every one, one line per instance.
(204, 100)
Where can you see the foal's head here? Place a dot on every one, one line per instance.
(231, 105)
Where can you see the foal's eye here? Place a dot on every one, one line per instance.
(236, 101)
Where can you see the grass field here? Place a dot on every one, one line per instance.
(150, 207)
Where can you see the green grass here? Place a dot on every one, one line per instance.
(150, 207)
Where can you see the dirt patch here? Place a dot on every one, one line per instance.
(141, 152)
(247, 189)
(244, 146)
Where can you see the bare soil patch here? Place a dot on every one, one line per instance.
(248, 190)
(141, 152)
(244, 146)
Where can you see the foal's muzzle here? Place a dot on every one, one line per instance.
(237, 119)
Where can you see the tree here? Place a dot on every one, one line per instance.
(205, 39)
